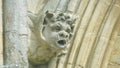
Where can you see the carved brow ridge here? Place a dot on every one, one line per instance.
(60, 25)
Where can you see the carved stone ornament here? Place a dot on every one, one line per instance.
(51, 37)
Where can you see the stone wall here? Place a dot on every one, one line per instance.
(1, 31)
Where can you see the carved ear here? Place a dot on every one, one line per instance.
(49, 15)
(32, 16)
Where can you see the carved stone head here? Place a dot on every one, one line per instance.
(58, 29)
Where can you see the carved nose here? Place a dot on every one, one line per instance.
(64, 35)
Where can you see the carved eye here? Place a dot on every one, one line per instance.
(62, 19)
(68, 30)
(57, 28)
(67, 17)
(61, 14)
(69, 21)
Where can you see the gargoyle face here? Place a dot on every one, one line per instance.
(58, 29)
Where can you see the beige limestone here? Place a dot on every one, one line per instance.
(114, 61)
(93, 45)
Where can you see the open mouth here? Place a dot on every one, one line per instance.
(62, 42)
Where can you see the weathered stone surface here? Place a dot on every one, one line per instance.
(93, 44)
(16, 33)
(1, 37)
(114, 61)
